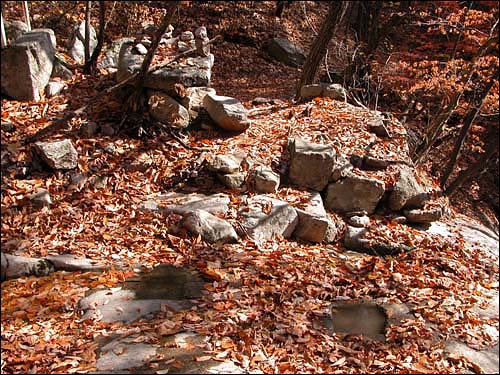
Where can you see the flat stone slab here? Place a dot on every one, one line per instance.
(119, 305)
(486, 359)
(121, 354)
(181, 203)
(166, 287)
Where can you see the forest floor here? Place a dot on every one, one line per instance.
(287, 285)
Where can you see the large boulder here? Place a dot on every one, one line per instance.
(76, 42)
(283, 50)
(224, 163)
(332, 91)
(407, 192)
(27, 64)
(310, 163)
(211, 228)
(228, 113)
(313, 223)
(166, 109)
(354, 193)
(58, 155)
(262, 217)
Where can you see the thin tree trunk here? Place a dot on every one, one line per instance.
(91, 65)
(87, 31)
(469, 120)
(422, 150)
(476, 168)
(336, 12)
(27, 15)
(4, 37)
(135, 100)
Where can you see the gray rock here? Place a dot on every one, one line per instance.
(486, 359)
(53, 88)
(186, 36)
(313, 223)
(140, 49)
(59, 70)
(311, 91)
(283, 50)
(341, 168)
(112, 53)
(228, 113)
(193, 101)
(40, 198)
(14, 29)
(69, 262)
(120, 305)
(354, 193)
(232, 180)
(76, 42)
(334, 91)
(377, 126)
(359, 221)
(263, 217)
(120, 354)
(58, 155)
(165, 109)
(407, 192)
(26, 66)
(149, 206)
(375, 163)
(423, 215)
(13, 266)
(265, 179)
(198, 74)
(310, 163)
(211, 228)
(224, 163)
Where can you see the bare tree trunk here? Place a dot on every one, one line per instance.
(441, 119)
(87, 31)
(469, 120)
(91, 65)
(27, 15)
(476, 168)
(134, 102)
(336, 12)
(4, 37)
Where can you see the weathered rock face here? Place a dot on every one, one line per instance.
(310, 163)
(283, 50)
(76, 43)
(166, 109)
(59, 154)
(40, 198)
(378, 127)
(182, 204)
(313, 223)
(27, 64)
(354, 193)
(111, 55)
(193, 101)
(341, 168)
(407, 191)
(232, 180)
(228, 113)
(264, 216)
(211, 228)
(53, 88)
(224, 163)
(334, 91)
(265, 180)
(311, 91)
